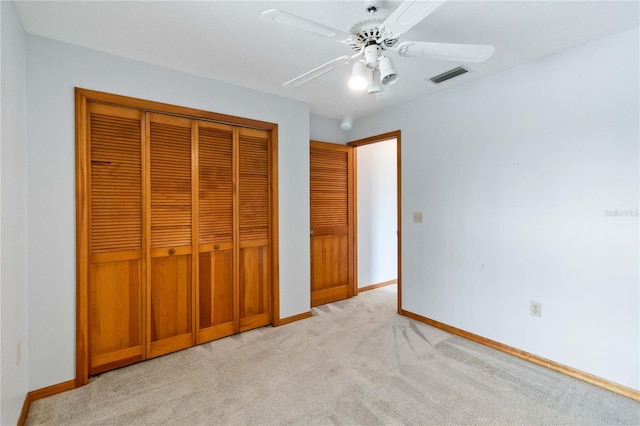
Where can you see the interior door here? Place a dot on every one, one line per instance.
(332, 215)
(116, 306)
(171, 268)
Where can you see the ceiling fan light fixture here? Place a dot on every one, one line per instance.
(388, 73)
(371, 55)
(376, 87)
(359, 76)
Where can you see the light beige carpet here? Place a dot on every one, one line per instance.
(355, 362)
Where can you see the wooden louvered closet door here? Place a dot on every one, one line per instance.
(234, 281)
(115, 286)
(174, 232)
(331, 211)
(171, 265)
(253, 234)
(216, 288)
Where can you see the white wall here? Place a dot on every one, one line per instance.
(53, 70)
(327, 130)
(377, 197)
(13, 276)
(515, 173)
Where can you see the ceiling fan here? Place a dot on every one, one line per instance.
(373, 37)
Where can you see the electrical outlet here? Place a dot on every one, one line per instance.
(536, 309)
(417, 217)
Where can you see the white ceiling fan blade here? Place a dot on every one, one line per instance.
(407, 15)
(446, 51)
(276, 16)
(318, 71)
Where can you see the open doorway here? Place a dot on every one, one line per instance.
(377, 182)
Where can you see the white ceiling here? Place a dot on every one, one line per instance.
(227, 41)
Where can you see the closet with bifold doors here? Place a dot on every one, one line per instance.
(175, 230)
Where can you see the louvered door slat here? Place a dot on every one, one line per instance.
(215, 154)
(329, 188)
(170, 151)
(116, 183)
(253, 185)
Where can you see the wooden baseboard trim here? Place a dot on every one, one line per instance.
(52, 390)
(294, 318)
(43, 393)
(551, 365)
(25, 410)
(374, 286)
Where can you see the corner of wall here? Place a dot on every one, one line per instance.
(13, 282)
(325, 129)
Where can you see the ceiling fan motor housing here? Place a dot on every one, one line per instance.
(368, 32)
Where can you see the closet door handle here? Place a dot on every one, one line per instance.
(172, 252)
(216, 247)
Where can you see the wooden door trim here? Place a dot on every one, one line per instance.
(152, 106)
(235, 160)
(195, 215)
(82, 242)
(374, 139)
(273, 228)
(352, 223)
(397, 135)
(146, 236)
(82, 161)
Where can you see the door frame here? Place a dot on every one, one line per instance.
(396, 134)
(82, 98)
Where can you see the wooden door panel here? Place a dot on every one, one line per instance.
(115, 315)
(254, 275)
(254, 287)
(330, 258)
(330, 269)
(331, 213)
(115, 285)
(216, 292)
(170, 267)
(216, 297)
(170, 301)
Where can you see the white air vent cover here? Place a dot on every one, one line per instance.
(447, 75)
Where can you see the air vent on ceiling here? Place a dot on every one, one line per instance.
(447, 75)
